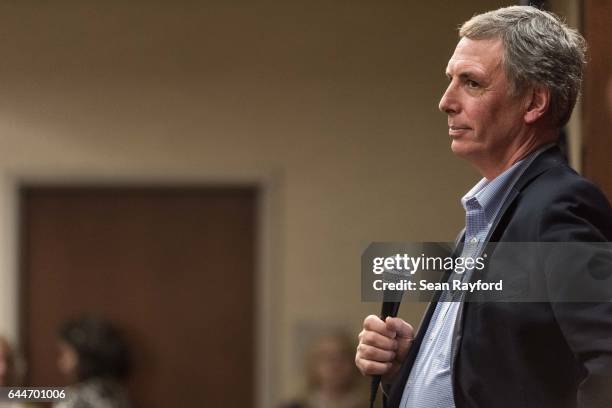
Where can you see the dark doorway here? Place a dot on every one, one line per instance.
(173, 267)
(597, 16)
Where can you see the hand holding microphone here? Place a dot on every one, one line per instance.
(383, 346)
(385, 340)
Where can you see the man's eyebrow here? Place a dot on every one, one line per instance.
(465, 75)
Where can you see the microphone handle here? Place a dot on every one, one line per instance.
(389, 309)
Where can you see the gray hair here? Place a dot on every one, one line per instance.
(539, 49)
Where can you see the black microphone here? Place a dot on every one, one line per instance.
(390, 307)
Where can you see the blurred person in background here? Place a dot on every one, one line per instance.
(7, 364)
(333, 381)
(9, 374)
(93, 355)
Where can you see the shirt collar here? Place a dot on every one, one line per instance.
(489, 195)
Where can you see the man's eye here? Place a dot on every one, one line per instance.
(472, 84)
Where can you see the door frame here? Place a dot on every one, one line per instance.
(268, 247)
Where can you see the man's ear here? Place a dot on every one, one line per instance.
(537, 104)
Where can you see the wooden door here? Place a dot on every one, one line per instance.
(173, 267)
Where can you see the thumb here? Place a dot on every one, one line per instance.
(404, 335)
(402, 329)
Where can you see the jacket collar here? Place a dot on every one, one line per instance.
(549, 158)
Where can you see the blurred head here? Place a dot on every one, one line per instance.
(331, 363)
(91, 347)
(7, 364)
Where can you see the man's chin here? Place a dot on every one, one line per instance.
(460, 149)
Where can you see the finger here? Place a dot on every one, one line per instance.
(400, 327)
(368, 367)
(375, 354)
(405, 336)
(375, 324)
(377, 340)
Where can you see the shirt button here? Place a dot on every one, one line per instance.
(473, 240)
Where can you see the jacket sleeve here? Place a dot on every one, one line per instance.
(579, 281)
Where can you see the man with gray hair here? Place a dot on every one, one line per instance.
(514, 79)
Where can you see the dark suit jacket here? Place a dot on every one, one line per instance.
(540, 355)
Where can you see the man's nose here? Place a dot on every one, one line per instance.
(449, 104)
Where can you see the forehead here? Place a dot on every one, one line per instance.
(482, 56)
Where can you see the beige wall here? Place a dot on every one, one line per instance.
(331, 105)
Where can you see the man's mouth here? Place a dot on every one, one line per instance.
(457, 130)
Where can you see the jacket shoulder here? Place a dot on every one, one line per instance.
(561, 205)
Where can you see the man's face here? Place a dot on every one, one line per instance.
(484, 120)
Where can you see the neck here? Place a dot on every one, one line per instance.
(498, 164)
